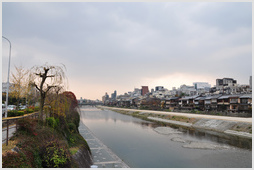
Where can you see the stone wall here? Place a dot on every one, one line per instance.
(83, 158)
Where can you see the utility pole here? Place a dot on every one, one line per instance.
(7, 93)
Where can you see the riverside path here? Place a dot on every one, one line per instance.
(103, 157)
(189, 115)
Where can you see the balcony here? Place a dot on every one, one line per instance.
(223, 103)
(207, 102)
(233, 100)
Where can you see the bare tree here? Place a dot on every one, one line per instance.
(47, 78)
(19, 83)
(31, 93)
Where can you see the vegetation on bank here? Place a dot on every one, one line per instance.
(51, 140)
(48, 144)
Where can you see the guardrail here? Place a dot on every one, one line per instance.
(6, 122)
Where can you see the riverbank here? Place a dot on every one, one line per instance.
(102, 156)
(149, 144)
(53, 143)
(222, 125)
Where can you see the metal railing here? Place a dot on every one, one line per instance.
(10, 123)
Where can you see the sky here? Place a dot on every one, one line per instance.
(120, 46)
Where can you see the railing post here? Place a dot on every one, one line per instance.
(7, 131)
(16, 125)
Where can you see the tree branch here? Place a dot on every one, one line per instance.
(48, 88)
(36, 86)
(51, 76)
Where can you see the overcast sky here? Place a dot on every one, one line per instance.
(122, 46)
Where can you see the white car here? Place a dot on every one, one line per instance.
(11, 107)
(22, 107)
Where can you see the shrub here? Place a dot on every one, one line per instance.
(25, 112)
(37, 160)
(12, 113)
(20, 113)
(193, 111)
(72, 127)
(57, 121)
(28, 110)
(52, 122)
(37, 108)
(54, 155)
(15, 160)
(31, 107)
(27, 125)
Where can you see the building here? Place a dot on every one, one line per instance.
(136, 92)
(188, 90)
(251, 82)
(201, 85)
(105, 98)
(144, 90)
(159, 88)
(113, 95)
(245, 103)
(220, 83)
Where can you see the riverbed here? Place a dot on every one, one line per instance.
(144, 144)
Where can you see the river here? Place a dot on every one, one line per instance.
(142, 144)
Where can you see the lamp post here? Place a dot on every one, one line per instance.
(7, 93)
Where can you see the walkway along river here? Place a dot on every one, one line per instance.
(144, 144)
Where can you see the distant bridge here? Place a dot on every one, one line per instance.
(90, 104)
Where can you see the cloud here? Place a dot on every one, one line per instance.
(178, 78)
(121, 45)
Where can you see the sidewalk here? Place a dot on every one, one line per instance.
(103, 157)
(12, 129)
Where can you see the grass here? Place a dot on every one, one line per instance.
(74, 150)
(242, 128)
(9, 147)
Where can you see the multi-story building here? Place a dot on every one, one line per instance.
(201, 85)
(188, 90)
(159, 88)
(173, 92)
(245, 103)
(105, 98)
(144, 90)
(250, 82)
(113, 95)
(136, 92)
(221, 83)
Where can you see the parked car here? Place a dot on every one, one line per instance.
(11, 107)
(22, 107)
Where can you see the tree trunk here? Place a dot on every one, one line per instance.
(41, 108)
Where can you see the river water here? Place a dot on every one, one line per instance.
(142, 144)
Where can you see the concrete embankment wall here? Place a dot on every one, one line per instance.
(221, 124)
(83, 158)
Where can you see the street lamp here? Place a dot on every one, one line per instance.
(7, 93)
